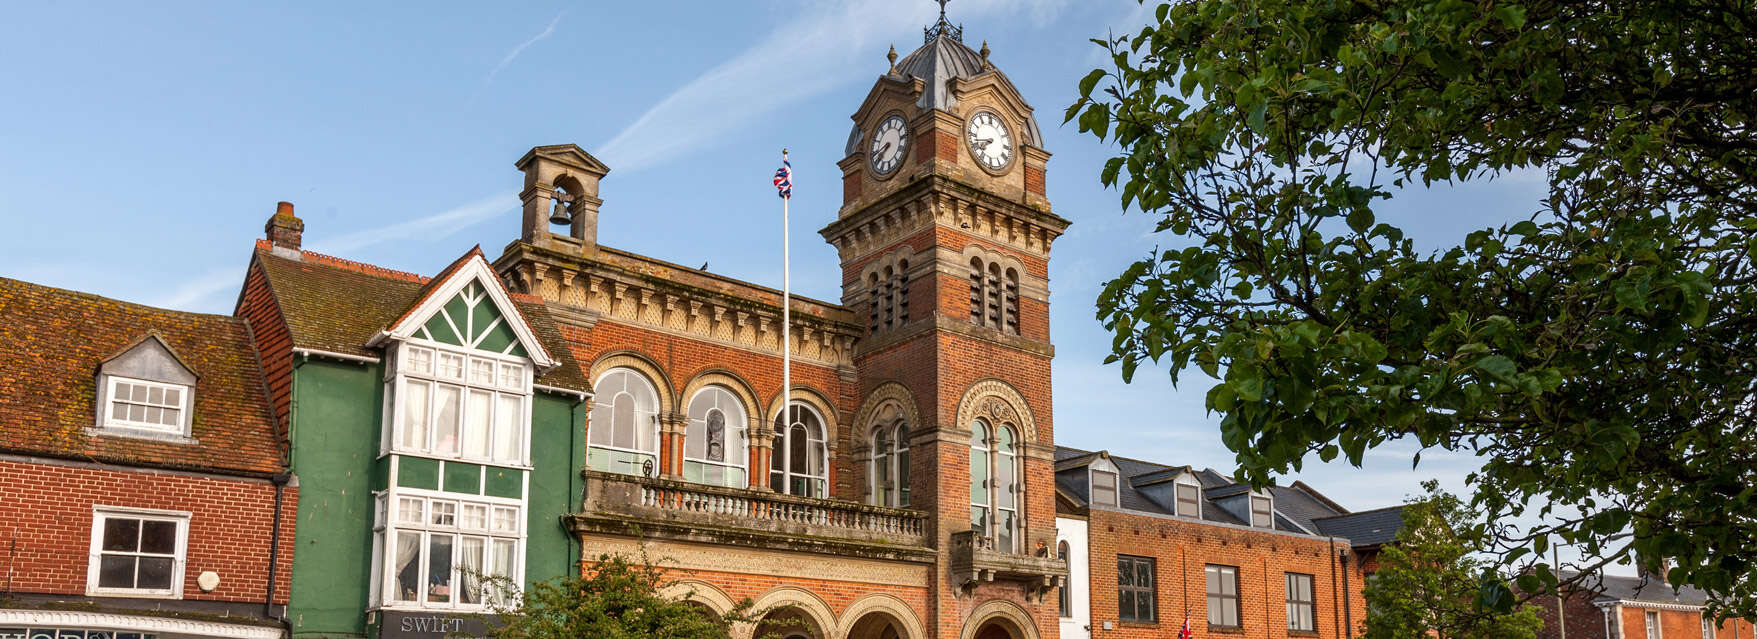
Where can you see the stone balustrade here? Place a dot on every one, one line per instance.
(723, 513)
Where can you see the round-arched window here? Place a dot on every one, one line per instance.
(799, 463)
(624, 427)
(714, 442)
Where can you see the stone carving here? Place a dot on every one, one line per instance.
(998, 401)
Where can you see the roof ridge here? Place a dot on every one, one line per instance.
(1363, 512)
(362, 268)
(140, 305)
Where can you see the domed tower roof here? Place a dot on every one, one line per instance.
(942, 58)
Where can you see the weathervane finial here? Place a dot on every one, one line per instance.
(943, 27)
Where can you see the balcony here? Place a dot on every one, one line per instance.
(975, 559)
(663, 508)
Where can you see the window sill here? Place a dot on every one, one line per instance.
(1227, 630)
(135, 433)
(132, 594)
(1139, 624)
(1302, 633)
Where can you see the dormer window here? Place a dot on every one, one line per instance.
(1104, 487)
(145, 391)
(456, 405)
(1189, 497)
(1262, 511)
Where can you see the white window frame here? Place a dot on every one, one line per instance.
(1708, 629)
(1115, 489)
(653, 430)
(781, 452)
(1177, 497)
(989, 448)
(1295, 606)
(184, 393)
(402, 373)
(178, 564)
(1655, 629)
(1251, 509)
(894, 493)
(389, 524)
(737, 455)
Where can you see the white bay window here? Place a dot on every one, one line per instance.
(453, 405)
(440, 552)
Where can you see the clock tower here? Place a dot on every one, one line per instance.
(944, 236)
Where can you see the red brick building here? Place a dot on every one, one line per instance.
(1162, 546)
(142, 473)
(1634, 608)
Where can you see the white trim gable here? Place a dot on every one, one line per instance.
(474, 269)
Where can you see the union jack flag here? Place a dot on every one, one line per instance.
(1185, 634)
(784, 178)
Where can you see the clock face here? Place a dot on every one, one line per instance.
(888, 143)
(989, 140)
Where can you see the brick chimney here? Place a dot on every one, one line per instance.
(284, 231)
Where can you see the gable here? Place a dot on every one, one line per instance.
(467, 306)
(471, 320)
(149, 359)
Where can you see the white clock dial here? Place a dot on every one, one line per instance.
(989, 140)
(888, 143)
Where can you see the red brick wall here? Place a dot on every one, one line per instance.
(48, 510)
(1181, 551)
(1674, 624)
(273, 343)
(1034, 179)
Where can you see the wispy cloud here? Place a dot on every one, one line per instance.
(427, 228)
(199, 293)
(828, 45)
(514, 53)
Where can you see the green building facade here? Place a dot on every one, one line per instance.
(436, 428)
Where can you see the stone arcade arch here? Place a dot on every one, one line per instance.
(999, 619)
(880, 616)
(791, 613)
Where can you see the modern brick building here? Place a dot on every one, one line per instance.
(1162, 546)
(142, 484)
(1643, 607)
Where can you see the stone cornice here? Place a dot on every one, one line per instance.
(936, 199)
(582, 292)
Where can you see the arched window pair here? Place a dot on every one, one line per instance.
(625, 431)
(890, 463)
(994, 296)
(995, 492)
(799, 462)
(889, 291)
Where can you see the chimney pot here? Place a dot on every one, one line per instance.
(285, 231)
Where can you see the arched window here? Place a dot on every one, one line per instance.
(799, 462)
(888, 290)
(994, 296)
(890, 464)
(625, 424)
(1065, 605)
(994, 484)
(714, 442)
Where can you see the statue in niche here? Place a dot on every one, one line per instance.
(716, 436)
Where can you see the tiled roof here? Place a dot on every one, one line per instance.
(1143, 489)
(1643, 589)
(336, 305)
(52, 342)
(1365, 528)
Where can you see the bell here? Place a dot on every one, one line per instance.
(560, 216)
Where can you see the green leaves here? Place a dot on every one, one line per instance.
(1596, 353)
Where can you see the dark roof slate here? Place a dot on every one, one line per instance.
(336, 305)
(52, 342)
(1649, 590)
(1365, 528)
(1137, 490)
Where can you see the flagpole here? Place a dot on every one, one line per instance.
(786, 314)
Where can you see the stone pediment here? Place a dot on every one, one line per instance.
(569, 155)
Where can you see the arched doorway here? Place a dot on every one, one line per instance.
(996, 629)
(789, 623)
(877, 625)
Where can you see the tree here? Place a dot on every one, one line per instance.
(1428, 579)
(1598, 352)
(613, 599)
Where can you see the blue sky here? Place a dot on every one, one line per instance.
(142, 146)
